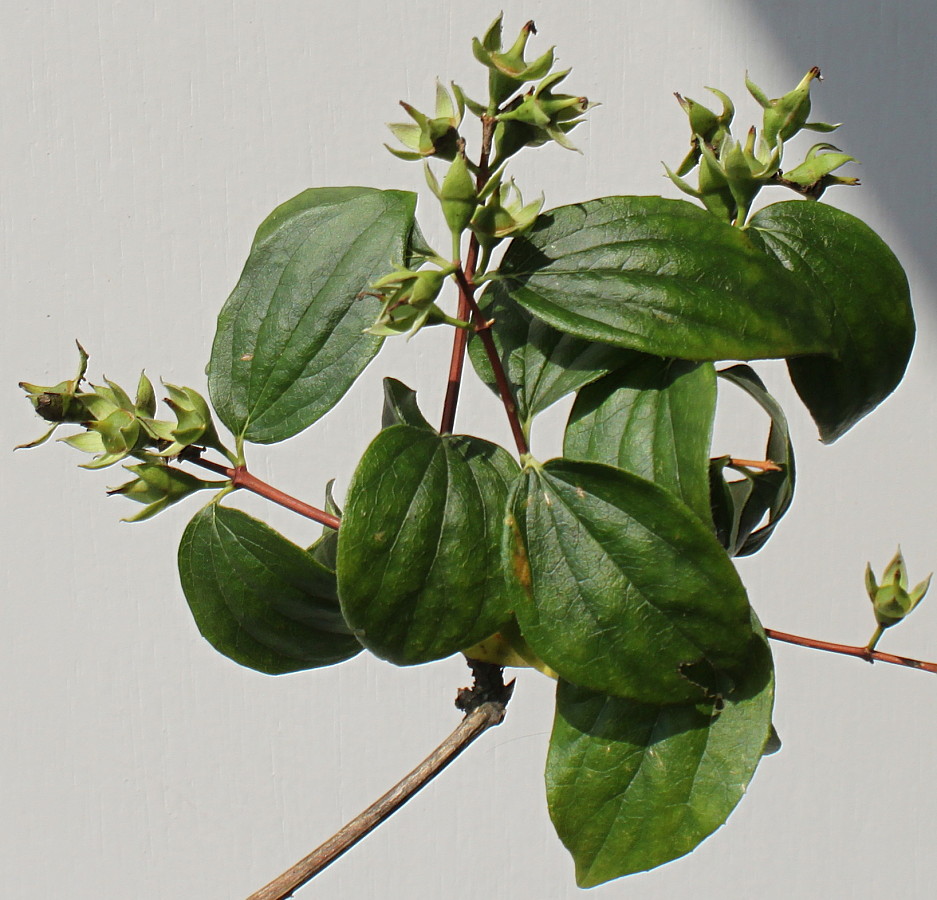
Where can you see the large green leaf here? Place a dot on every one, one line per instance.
(862, 290)
(662, 276)
(419, 573)
(655, 419)
(618, 585)
(739, 507)
(631, 786)
(542, 364)
(289, 341)
(259, 599)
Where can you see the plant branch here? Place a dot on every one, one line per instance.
(484, 705)
(849, 650)
(483, 330)
(460, 339)
(241, 478)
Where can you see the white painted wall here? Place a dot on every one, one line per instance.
(142, 144)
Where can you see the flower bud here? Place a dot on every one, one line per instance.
(785, 116)
(891, 600)
(158, 486)
(508, 70)
(438, 136)
(409, 301)
(551, 115)
(58, 403)
(813, 176)
(194, 424)
(503, 216)
(705, 126)
(457, 194)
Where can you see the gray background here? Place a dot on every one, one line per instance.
(142, 144)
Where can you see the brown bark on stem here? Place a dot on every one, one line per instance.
(484, 706)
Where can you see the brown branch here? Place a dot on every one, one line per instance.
(484, 705)
(460, 339)
(241, 478)
(849, 650)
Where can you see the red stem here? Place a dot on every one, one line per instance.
(241, 478)
(460, 339)
(459, 342)
(849, 650)
(483, 330)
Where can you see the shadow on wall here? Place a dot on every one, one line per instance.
(885, 54)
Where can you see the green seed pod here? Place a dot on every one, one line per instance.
(891, 600)
(194, 424)
(551, 115)
(508, 70)
(430, 137)
(409, 300)
(503, 215)
(456, 195)
(158, 486)
(705, 127)
(57, 403)
(813, 176)
(787, 115)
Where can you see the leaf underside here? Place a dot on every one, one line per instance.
(258, 598)
(861, 288)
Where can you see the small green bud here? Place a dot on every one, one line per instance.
(194, 424)
(120, 435)
(503, 215)
(427, 137)
(705, 126)
(813, 176)
(787, 115)
(551, 115)
(457, 194)
(409, 301)
(507, 69)
(158, 486)
(891, 600)
(57, 403)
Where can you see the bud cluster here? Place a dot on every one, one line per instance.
(732, 172)
(470, 196)
(117, 427)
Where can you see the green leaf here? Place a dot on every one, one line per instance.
(542, 364)
(619, 587)
(259, 599)
(860, 288)
(739, 507)
(289, 341)
(400, 406)
(419, 573)
(653, 418)
(631, 786)
(664, 277)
